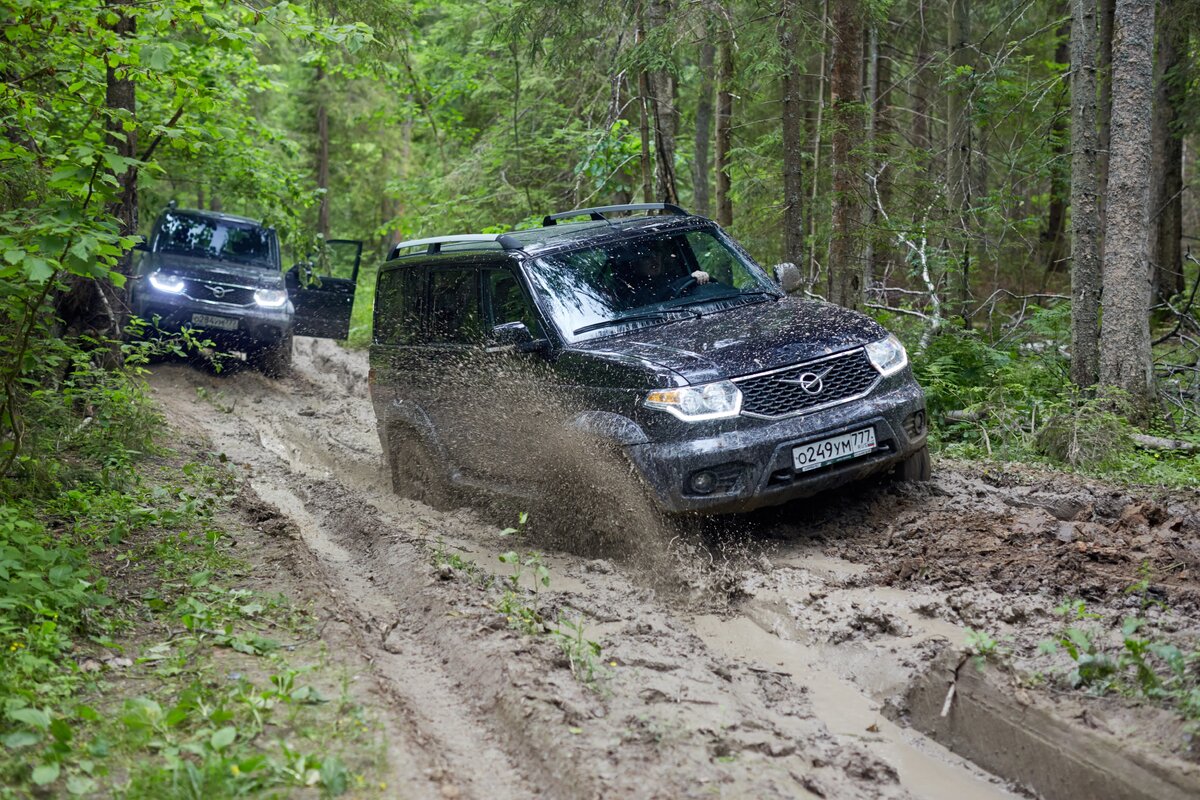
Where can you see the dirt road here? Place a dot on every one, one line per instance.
(782, 679)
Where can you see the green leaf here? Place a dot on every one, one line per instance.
(45, 773)
(19, 739)
(38, 270)
(14, 256)
(32, 716)
(80, 785)
(223, 738)
(60, 730)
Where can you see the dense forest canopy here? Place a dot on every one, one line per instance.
(915, 159)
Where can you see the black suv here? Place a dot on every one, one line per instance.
(221, 276)
(660, 335)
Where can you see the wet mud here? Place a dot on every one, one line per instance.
(766, 656)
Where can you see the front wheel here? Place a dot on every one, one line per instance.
(918, 467)
(416, 473)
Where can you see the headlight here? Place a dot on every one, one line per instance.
(171, 284)
(698, 403)
(887, 355)
(270, 298)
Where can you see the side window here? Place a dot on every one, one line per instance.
(398, 306)
(719, 261)
(505, 302)
(454, 310)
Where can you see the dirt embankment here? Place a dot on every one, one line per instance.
(779, 672)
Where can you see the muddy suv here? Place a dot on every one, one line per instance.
(656, 334)
(221, 276)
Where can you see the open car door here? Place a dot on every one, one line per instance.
(324, 302)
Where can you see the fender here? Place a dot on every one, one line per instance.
(607, 426)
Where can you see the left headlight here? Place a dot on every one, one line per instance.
(270, 298)
(697, 403)
(164, 282)
(887, 355)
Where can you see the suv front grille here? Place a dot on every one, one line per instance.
(211, 292)
(806, 387)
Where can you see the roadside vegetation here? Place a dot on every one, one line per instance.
(134, 663)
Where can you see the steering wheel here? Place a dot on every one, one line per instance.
(681, 285)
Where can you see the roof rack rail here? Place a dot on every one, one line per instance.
(598, 212)
(434, 244)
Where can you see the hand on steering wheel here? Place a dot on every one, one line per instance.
(682, 285)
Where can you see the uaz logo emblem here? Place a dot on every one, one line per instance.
(811, 382)
(218, 291)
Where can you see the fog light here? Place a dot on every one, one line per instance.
(915, 424)
(703, 482)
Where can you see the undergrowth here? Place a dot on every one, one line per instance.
(1006, 395)
(130, 666)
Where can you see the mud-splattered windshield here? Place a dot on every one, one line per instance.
(605, 290)
(220, 240)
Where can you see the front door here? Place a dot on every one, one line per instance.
(322, 289)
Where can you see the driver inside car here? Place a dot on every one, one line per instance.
(651, 280)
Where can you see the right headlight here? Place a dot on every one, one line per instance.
(165, 282)
(887, 355)
(715, 400)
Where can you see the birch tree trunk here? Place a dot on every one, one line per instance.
(847, 114)
(322, 155)
(1125, 333)
(793, 136)
(1085, 211)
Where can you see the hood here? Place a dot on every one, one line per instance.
(212, 270)
(742, 341)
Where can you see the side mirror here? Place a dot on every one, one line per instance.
(515, 336)
(142, 247)
(788, 276)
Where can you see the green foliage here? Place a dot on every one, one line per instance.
(1007, 395)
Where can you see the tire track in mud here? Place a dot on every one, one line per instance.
(697, 706)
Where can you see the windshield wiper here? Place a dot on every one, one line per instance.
(595, 326)
(719, 298)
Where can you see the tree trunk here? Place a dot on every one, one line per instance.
(1125, 334)
(1104, 78)
(96, 306)
(847, 114)
(818, 133)
(322, 153)
(644, 123)
(1085, 212)
(662, 104)
(920, 89)
(793, 136)
(1053, 239)
(1167, 254)
(701, 196)
(958, 143)
(724, 123)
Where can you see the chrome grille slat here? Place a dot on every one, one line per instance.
(850, 376)
(233, 294)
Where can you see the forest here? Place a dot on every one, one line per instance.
(1009, 185)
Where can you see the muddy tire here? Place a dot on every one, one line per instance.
(274, 360)
(416, 472)
(916, 468)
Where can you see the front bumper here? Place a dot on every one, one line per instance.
(754, 465)
(256, 326)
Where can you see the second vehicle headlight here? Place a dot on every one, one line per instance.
(171, 284)
(697, 403)
(270, 298)
(887, 355)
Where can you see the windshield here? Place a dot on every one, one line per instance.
(610, 289)
(220, 240)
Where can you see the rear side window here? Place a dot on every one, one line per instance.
(398, 306)
(454, 308)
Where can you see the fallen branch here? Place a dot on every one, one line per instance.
(1163, 443)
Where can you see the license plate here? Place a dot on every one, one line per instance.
(837, 448)
(220, 323)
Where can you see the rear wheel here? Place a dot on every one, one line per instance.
(917, 467)
(274, 360)
(416, 473)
